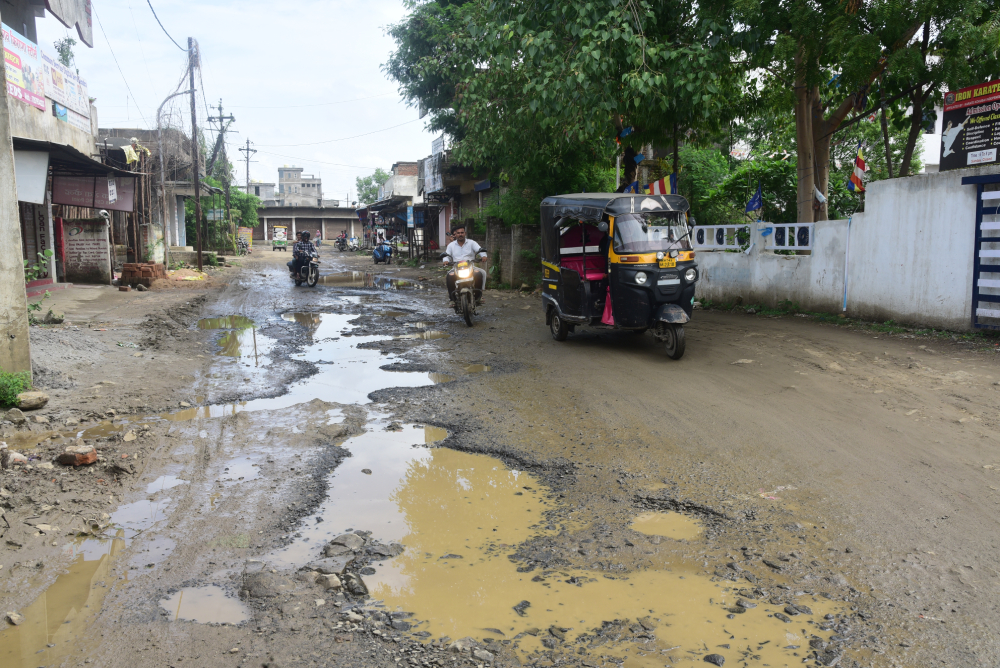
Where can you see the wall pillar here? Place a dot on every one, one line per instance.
(293, 230)
(264, 222)
(15, 348)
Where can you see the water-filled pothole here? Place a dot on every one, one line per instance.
(365, 279)
(226, 322)
(669, 525)
(427, 336)
(476, 368)
(205, 605)
(460, 516)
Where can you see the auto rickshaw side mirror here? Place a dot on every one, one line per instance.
(603, 226)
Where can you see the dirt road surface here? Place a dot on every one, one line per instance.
(349, 476)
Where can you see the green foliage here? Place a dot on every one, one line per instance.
(11, 385)
(211, 259)
(368, 186)
(64, 47)
(32, 272)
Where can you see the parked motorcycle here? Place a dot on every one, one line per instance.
(308, 273)
(352, 245)
(242, 247)
(382, 253)
(465, 283)
(340, 243)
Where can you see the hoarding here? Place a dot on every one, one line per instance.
(65, 86)
(970, 133)
(92, 192)
(23, 69)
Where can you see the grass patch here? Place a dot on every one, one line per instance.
(11, 385)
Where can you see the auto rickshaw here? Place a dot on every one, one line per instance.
(618, 261)
(279, 238)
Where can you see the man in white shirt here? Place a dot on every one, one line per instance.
(462, 250)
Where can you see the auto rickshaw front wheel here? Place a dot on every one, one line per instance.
(558, 327)
(672, 337)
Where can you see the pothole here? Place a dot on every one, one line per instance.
(668, 525)
(164, 482)
(427, 336)
(226, 322)
(205, 605)
(365, 279)
(476, 368)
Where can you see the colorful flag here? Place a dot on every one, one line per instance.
(665, 186)
(632, 187)
(856, 182)
(757, 201)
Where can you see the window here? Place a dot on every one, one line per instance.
(256, 190)
(281, 187)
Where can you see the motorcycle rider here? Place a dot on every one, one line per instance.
(460, 250)
(301, 252)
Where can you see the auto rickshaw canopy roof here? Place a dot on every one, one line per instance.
(592, 207)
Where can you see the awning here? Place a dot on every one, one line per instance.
(68, 161)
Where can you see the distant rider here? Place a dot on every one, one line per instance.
(461, 250)
(301, 252)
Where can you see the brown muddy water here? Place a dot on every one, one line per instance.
(668, 525)
(365, 279)
(205, 605)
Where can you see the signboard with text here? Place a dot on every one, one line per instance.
(970, 133)
(64, 85)
(92, 192)
(23, 69)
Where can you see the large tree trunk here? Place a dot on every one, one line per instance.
(916, 129)
(629, 168)
(804, 149)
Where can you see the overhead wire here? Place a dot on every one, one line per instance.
(330, 141)
(148, 2)
(303, 106)
(115, 58)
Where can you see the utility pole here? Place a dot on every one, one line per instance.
(192, 60)
(248, 152)
(224, 122)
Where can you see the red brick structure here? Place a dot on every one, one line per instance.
(142, 273)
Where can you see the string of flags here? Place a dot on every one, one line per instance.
(665, 186)
(856, 181)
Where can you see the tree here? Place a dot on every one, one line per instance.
(368, 186)
(64, 47)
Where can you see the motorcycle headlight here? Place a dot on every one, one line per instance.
(464, 273)
(691, 275)
(640, 278)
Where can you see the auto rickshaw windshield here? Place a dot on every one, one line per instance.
(650, 232)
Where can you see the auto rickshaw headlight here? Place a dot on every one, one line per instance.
(660, 255)
(691, 275)
(640, 278)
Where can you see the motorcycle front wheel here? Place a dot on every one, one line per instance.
(313, 277)
(467, 308)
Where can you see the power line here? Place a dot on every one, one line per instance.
(127, 87)
(148, 2)
(318, 104)
(329, 141)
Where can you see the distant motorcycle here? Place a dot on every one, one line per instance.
(382, 253)
(308, 273)
(352, 245)
(242, 247)
(340, 243)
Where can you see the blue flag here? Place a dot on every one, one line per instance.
(757, 201)
(633, 187)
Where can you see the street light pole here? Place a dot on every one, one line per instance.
(192, 59)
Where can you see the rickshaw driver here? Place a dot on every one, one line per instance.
(300, 253)
(462, 250)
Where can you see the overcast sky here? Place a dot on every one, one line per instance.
(294, 75)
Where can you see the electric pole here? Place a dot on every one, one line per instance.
(192, 61)
(248, 152)
(224, 122)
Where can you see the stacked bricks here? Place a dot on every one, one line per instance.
(142, 273)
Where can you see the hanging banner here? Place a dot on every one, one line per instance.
(92, 192)
(23, 69)
(970, 133)
(64, 85)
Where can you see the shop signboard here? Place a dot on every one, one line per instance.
(970, 133)
(92, 192)
(64, 85)
(409, 217)
(23, 68)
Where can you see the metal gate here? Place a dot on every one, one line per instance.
(986, 265)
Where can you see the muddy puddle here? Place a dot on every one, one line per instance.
(365, 279)
(240, 338)
(461, 515)
(205, 605)
(667, 525)
(429, 335)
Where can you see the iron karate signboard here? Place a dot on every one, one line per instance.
(970, 133)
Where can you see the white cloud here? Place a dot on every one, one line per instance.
(267, 61)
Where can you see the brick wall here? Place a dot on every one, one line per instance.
(510, 245)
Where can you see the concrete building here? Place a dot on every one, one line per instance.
(298, 189)
(52, 124)
(329, 221)
(265, 191)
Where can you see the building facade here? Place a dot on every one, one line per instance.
(298, 189)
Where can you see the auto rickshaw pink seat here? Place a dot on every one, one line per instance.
(591, 266)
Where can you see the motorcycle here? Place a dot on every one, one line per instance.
(340, 243)
(382, 253)
(308, 273)
(352, 245)
(242, 247)
(465, 282)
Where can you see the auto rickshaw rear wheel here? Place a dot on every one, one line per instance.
(672, 337)
(558, 327)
